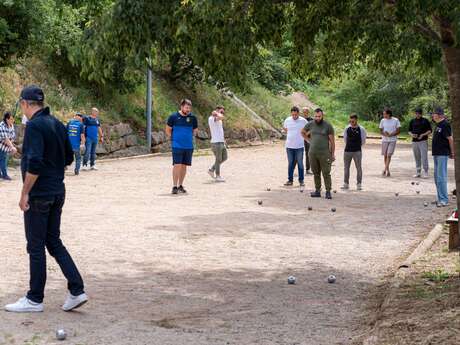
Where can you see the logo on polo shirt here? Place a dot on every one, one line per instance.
(188, 119)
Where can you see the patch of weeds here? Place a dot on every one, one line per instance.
(436, 276)
(33, 341)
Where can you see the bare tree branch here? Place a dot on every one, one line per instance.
(428, 32)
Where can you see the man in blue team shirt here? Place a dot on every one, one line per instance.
(93, 134)
(182, 126)
(75, 131)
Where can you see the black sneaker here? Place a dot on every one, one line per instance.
(289, 183)
(175, 190)
(77, 172)
(328, 195)
(301, 184)
(316, 194)
(181, 190)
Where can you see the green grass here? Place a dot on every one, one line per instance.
(436, 276)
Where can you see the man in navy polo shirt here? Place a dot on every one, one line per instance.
(182, 126)
(46, 152)
(94, 135)
(75, 131)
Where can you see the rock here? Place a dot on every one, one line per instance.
(202, 135)
(122, 129)
(131, 140)
(116, 145)
(101, 149)
(158, 138)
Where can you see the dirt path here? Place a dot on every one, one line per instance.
(211, 267)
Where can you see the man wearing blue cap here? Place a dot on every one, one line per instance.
(46, 152)
(442, 149)
(75, 131)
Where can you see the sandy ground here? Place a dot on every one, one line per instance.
(211, 267)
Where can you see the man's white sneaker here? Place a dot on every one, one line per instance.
(94, 167)
(425, 175)
(220, 179)
(416, 176)
(345, 186)
(24, 305)
(73, 302)
(211, 173)
(84, 168)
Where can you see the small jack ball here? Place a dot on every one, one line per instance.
(61, 334)
(260, 202)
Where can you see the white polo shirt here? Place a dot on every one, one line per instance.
(294, 139)
(217, 130)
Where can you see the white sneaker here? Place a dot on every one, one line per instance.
(416, 175)
(24, 305)
(94, 167)
(73, 302)
(425, 175)
(359, 187)
(84, 168)
(220, 179)
(211, 173)
(345, 186)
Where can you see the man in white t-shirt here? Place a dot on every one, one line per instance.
(217, 142)
(390, 127)
(293, 126)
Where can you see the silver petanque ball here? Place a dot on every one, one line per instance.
(61, 334)
(425, 204)
(331, 279)
(291, 280)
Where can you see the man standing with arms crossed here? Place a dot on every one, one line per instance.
(320, 133)
(420, 130)
(217, 142)
(306, 116)
(76, 133)
(46, 152)
(293, 127)
(354, 136)
(443, 149)
(182, 126)
(93, 135)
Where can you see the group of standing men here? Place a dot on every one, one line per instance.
(315, 137)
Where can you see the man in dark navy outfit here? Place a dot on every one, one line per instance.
(182, 126)
(46, 152)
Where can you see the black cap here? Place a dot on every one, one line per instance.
(439, 111)
(418, 110)
(32, 93)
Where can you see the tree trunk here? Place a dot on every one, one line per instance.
(452, 63)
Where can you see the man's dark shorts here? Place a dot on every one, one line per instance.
(182, 156)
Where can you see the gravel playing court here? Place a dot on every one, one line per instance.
(211, 267)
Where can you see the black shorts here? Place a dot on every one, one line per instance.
(182, 156)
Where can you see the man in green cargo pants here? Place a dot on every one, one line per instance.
(320, 134)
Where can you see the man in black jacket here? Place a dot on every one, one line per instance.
(46, 152)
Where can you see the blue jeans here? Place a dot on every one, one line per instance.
(440, 177)
(3, 164)
(43, 229)
(77, 154)
(295, 156)
(90, 151)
